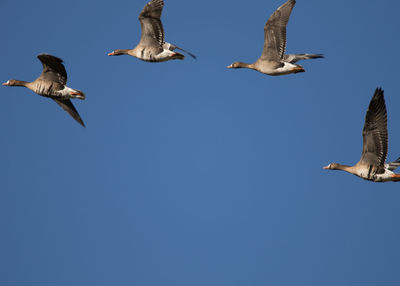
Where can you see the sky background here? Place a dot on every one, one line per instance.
(189, 173)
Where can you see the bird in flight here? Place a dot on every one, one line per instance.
(372, 166)
(152, 46)
(273, 60)
(52, 83)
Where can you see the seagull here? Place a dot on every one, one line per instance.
(372, 165)
(273, 60)
(52, 83)
(152, 46)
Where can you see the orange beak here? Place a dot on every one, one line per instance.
(326, 167)
(111, 54)
(6, 83)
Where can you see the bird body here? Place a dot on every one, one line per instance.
(273, 60)
(52, 83)
(372, 173)
(372, 166)
(46, 89)
(152, 46)
(367, 172)
(273, 69)
(151, 54)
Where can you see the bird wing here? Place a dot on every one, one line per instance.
(152, 28)
(375, 135)
(70, 108)
(275, 32)
(53, 69)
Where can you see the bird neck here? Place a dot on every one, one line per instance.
(244, 65)
(21, 83)
(343, 168)
(121, 52)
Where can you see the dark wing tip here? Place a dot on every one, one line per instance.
(70, 109)
(289, 3)
(46, 57)
(79, 120)
(377, 102)
(152, 9)
(280, 17)
(378, 93)
(157, 2)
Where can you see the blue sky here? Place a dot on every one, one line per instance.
(189, 173)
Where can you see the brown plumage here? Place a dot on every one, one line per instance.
(273, 60)
(152, 46)
(375, 134)
(52, 83)
(372, 165)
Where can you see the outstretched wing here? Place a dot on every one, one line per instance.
(375, 135)
(152, 28)
(275, 32)
(70, 108)
(53, 69)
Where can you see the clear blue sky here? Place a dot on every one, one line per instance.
(189, 173)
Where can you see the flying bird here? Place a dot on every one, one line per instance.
(52, 83)
(372, 166)
(152, 46)
(273, 60)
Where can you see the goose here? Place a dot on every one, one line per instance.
(152, 47)
(52, 83)
(273, 60)
(372, 165)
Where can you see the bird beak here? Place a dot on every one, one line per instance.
(111, 54)
(229, 67)
(6, 83)
(326, 167)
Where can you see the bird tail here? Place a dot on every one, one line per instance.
(75, 93)
(177, 56)
(394, 165)
(172, 47)
(293, 58)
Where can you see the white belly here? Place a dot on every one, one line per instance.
(150, 55)
(288, 68)
(384, 177)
